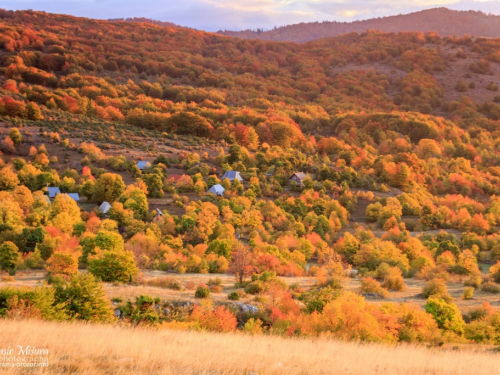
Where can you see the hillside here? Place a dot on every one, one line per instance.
(444, 21)
(346, 187)
(87, 349)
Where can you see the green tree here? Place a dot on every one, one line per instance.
(15, 135)
(33, 112)
(108, 187)
(9, 257)
(446, 314)
(84, 299)
(112, 266)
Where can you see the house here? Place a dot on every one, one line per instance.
(143, 164)
(158, 215)
(232, 175)
(216, 190)
(74, 196)
(53, 191)
(298, 178)
(104, 207)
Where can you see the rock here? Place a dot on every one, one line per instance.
(117, 313)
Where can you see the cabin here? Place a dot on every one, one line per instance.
(104, 207)
(143, 164)
(232, 175)
(158, 215)
(74, 196)
(298, 178)
(53, 191)
(217, 190)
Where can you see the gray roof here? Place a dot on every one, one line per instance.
(104, 207)
(53, 191)
(46, 199)
(231, 175)
(142, 164)
(74, 196)
(300, 175)
(216, 190)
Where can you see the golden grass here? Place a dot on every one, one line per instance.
(106, 349)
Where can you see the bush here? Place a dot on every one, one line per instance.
(370, 285)
(436, 288)
(202, 292)
(468, 292)
(475, 281)
(446, 314)
(490, 287)
(234, 296)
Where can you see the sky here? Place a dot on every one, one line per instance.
(214, 15)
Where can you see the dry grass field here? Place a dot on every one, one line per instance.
(414, 287)
(102, 349)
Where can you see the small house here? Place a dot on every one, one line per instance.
(53, 191)
(74, 196)
(158, 215)
(298, 178)
(104, 207)
(143, 164)
(232, 175)
(217, 190)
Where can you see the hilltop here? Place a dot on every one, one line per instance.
(445, 22)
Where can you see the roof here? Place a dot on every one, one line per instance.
(300, 175)
(46, 199)
(53, 191)
(142, 164)
(231, 175)
(216, 190)
(104, 207)
(74, 196)
(159, 212)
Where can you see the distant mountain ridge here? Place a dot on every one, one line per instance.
(144, 20)
(444, 21)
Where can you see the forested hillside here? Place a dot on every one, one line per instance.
(441, 20)
(392, 140)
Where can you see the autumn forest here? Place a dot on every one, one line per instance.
(158, 176)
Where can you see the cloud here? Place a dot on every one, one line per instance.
(213, 15)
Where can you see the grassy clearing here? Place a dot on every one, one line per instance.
(101, 349)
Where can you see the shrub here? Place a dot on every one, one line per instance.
(495, 272)
(490, 287)
(436, 288)
(234, 296)
(202, 292)
(394, 280)
(468, 292)
(475, 281)
(370, 285)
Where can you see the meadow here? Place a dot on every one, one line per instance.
(102, 349)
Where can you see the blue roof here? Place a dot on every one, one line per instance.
(74, 196)
(142, 164)
(216, 190)
(231, 175)
(53, 191)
